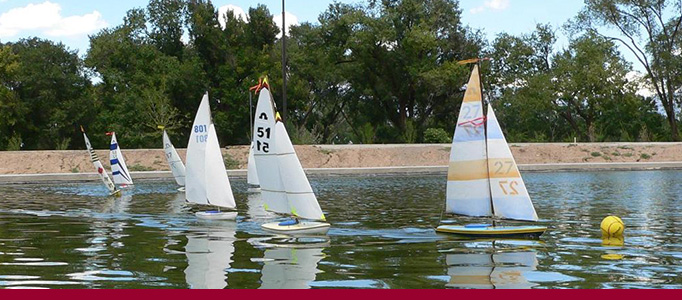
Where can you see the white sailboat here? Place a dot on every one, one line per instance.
(100, 169)
(206, 181)
(174, 161)
(119, 169)
(284, 186)
(483, 178)
(251, 171)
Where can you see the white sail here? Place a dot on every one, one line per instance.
(251, 172)
(209, 254)
(267, 166)
(98, 166)
(119, 169)
(510, 197)
(174, 161)
(468, 188)
(218, 189)
(195, 181)
(300, 197)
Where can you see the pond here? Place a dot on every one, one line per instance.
(382, 236)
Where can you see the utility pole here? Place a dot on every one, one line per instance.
(284, 66)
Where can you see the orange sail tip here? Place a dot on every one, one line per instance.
(161, 127)
(278, 117)
(110, 133)
(472, 60)
(262, 82)
(82, 130)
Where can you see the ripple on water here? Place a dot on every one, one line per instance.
(382, 227)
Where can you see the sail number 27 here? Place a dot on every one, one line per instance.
(509, 187)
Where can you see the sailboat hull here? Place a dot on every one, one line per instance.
(300, 228)
(253, 189)
(493, 231)
(217, 215)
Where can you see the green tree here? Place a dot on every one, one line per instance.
(51, 90)
(650, 30)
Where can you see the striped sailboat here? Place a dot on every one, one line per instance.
(119, 169)
(483, 178)
(113, 191)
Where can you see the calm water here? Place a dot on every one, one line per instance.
(382, 236)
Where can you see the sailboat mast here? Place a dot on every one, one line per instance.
(487, 152)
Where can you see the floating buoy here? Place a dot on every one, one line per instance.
(612, 226)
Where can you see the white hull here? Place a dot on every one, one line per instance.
(181, 189)
(253, 189)
(300, 228)
(215, 215)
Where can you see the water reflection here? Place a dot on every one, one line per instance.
(497, 270)
(209, 250)
(290, 262)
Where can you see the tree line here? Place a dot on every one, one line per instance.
(377, 72)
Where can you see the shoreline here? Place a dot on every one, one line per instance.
(24, 179)
(351, 160)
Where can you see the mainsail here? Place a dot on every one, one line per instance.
(174, 161)
(119, 170)
(267, 166)
(468, 187)
(206, 181)
(98, 165)
(510, 197)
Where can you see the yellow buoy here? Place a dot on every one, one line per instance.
(612, 226)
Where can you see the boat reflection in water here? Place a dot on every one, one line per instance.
(209, 250)
(290, 262)
(498, 270)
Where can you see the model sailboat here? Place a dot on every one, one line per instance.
(252, 172)
(100, 169)
(483, 178)
(284, 186)
(207, 182)
(119, 169)
(174, 161)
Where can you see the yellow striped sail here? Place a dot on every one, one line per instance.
(468, 189)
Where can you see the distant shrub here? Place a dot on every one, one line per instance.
(140, 168)
(437, 136)
(410, 134)
(645, 156)
(14, 143)
(595, 154)
(230, 162)
(63, 144)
